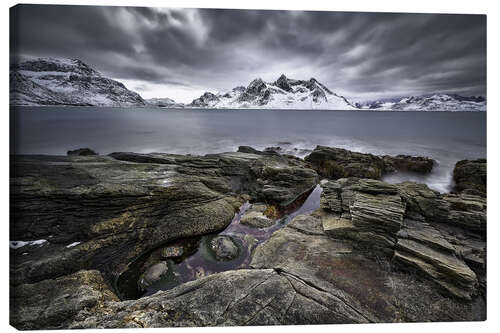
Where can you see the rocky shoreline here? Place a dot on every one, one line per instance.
(369, 252)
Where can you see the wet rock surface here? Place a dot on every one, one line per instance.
(224, 248)
(153, 274)
(470, 176)
(417, 164)
(370, 252)
(256, 217)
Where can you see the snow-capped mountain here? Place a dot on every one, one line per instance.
(435, 102)
(50, 81)
(284, 93)
(164, 102)
(53, 81)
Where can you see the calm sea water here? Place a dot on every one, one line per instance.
(445, 136)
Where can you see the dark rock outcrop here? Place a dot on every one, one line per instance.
(470, 176)
(82, 152)
(335, 163)
(417, 164)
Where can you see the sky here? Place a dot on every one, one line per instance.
(181, 53)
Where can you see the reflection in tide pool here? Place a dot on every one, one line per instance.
(201, 261)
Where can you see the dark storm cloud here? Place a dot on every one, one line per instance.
(362, 55)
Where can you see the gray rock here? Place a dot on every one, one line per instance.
(153, 274)
(255, 218)
(224, 248)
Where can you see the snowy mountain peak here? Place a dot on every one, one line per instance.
(283, 83)
(284, 93)
(53, 81)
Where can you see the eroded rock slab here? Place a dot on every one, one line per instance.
(242, 297)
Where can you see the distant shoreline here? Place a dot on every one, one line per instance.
(229, 109)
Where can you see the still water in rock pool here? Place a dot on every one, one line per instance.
(190, 259)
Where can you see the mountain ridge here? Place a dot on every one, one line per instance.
(71, 82)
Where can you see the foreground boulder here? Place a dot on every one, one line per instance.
(54, 303)
(241, 297)
(470, 176)
(335, 163)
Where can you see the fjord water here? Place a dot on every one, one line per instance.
(445, 136)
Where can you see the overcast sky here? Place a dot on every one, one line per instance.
(181, 53)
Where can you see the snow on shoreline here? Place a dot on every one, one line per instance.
(19, 244)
